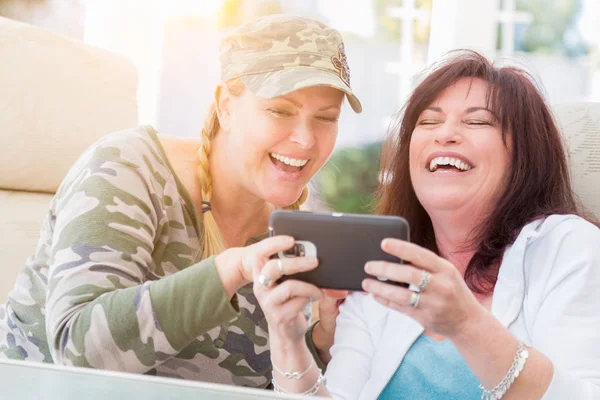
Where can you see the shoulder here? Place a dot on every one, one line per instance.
(135, 147)
(128, 155)
(567, 233)
(124, 167)
(565, 248)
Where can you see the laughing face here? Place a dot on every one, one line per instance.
(458, 159)
(279, 144)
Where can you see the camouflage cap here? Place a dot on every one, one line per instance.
(277, 54)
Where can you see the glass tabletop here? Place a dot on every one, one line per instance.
(34, 381)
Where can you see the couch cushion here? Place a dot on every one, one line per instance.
(21, 216)
(58, 96)
(580, 125)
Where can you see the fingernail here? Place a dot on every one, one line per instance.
(368, 268)
(312, 260)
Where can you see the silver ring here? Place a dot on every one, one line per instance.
(425, 279)
(280, 266)
(414, 299)
(263, 280)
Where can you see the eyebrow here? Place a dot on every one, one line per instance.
(468, 110)
(328, 107)
(294, 102)
(473, 109)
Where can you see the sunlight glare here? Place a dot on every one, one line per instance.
(188, 8)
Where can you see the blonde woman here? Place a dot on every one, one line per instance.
(145, 256)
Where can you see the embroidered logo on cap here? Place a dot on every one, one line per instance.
(341, 64)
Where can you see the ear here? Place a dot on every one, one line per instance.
(223, 107)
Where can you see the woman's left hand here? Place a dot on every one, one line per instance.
(445, 305)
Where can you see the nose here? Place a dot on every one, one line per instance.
(448, 133)
(303, 135)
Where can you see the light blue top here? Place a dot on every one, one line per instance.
(432, 370)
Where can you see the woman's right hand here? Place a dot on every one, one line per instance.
(283, 304)
(235, 265)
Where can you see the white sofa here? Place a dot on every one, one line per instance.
(57, 97)
(580, 125)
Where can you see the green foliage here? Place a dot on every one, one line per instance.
(553, 29)
(347, 183)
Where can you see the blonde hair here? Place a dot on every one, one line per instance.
(211, 241)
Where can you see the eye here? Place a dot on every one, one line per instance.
(327, 119)
(428, 122)
(478, 122)
(279, 112)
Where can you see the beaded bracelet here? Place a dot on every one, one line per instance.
(500, 389)
(310, 392)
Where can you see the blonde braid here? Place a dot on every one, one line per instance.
(211, 240)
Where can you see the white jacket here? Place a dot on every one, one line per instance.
(547, 294)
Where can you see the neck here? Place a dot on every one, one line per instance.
(239, 214)
(453, 234)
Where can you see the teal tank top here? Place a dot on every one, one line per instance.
(432, 370)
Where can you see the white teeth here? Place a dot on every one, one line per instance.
(433, 165)
(289, 161)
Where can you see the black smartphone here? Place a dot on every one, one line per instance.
(343, 243)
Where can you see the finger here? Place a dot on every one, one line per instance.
(272, 245)
(389, 292)
(329, 306)
(276, 268)
(413, 254)
(405, 273)
(403, 308)
(291, 289)
(289, 310)
(336, 294)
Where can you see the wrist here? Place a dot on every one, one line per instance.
(283, 348)
(322, 341)
(476, 321)
(227, 265)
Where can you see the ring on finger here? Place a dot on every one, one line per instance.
(280, 266)
(425, 279)
(414, 299)
(263, 280)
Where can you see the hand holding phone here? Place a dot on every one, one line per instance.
(343, 243)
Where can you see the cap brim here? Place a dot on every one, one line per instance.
(278, 83)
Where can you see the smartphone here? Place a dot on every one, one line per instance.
(343, 243)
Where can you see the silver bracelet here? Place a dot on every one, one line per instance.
(293, 374)
(310, 392)
(500, 389)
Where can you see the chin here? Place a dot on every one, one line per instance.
(442, 200)
(282, 199)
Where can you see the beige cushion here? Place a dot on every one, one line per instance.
(58, 96)
(580, 125)
(21, 216)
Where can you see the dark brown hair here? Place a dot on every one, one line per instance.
(537, 184)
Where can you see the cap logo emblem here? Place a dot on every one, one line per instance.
(341, 64)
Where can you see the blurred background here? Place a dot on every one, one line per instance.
(173, 44)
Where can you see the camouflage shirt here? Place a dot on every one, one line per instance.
(113, 283)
